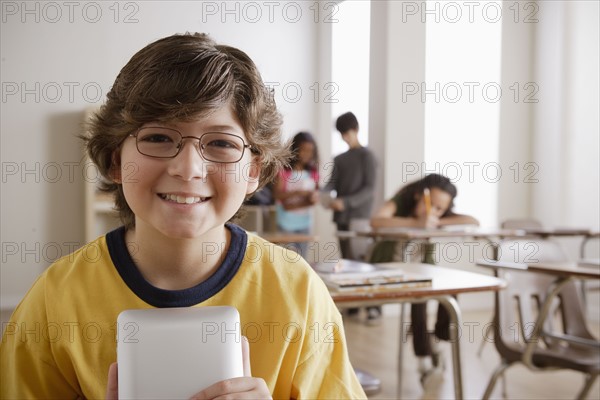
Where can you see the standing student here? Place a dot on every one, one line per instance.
(188, 131)
(353, 179)
(296, 187)
(426, 203)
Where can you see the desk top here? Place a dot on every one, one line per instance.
(461, 231)
(445, 281)
(565, 269)
(546, 232)
(450, 232)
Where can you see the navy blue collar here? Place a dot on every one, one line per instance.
(157, 297)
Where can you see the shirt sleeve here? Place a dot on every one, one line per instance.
(326, 372)
(333, 176)
(28, 369)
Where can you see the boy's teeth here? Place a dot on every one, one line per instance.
(182, 199)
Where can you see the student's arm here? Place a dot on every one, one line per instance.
(459, 219)
(28, 369)
(293, 199)
(384, 218)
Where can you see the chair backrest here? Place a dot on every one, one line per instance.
(360, 245)
(518, 306)
(530, 251)
(521, 223)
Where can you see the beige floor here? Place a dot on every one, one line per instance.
(375, 350)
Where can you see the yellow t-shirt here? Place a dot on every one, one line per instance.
(61, 339)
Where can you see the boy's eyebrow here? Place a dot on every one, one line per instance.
(218, 128)
(208, 128)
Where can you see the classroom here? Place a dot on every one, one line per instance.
(500, 96)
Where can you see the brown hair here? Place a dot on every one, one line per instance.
(182, 78)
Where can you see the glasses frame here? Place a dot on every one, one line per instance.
(198, 147)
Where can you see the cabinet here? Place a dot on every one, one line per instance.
(258, 219)
(100, 215)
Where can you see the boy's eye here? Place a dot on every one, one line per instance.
(156, 138)
(222, 143)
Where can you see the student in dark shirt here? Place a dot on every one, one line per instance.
(353, 178)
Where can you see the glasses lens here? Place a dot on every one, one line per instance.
(222, 147)
(158, 142)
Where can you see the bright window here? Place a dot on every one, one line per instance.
(350, 67)
(462, 101)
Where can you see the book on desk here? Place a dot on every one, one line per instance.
(353, 276)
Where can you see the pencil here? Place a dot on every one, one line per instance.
(427, 198)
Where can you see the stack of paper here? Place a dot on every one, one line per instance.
(377, 280)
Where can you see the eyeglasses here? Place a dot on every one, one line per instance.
(218, 147)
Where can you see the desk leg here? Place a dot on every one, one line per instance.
(451, 306)
(402, 335)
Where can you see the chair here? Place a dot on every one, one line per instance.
(521, 223)
(564, 342)
(361, 246)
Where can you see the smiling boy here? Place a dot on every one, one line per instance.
(188, 132)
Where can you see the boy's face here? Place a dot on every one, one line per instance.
(187, 196)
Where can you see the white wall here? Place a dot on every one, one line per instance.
(553, 142)
(45, 47)
(565, 127)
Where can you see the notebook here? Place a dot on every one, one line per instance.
(355, 276)
(173, 353)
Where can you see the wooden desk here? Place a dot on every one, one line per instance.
(564, 272)
(410, 235)
(427, 234)
(587, 234)
(446, 282)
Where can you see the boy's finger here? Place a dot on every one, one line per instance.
(112, 387)
(246, 356)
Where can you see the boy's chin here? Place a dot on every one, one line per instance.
(191, 233)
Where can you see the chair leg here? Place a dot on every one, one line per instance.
(497, 373)
(483, 341)
(589, 382)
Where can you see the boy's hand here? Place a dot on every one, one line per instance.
(246, 387)
(238, 388)
(112, 387)
(337, 205)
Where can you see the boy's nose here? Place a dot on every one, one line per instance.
(188, 164)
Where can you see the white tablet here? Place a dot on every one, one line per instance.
(173, 353)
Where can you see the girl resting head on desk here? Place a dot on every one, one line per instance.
(426, 203)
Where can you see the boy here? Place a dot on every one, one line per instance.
(187, 133)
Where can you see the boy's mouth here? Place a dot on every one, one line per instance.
(182, 199)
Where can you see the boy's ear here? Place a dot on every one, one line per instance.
(253, 176)
(115, 168)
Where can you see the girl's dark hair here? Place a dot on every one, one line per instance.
(410, 194)
(184, 78)
(297, 140)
